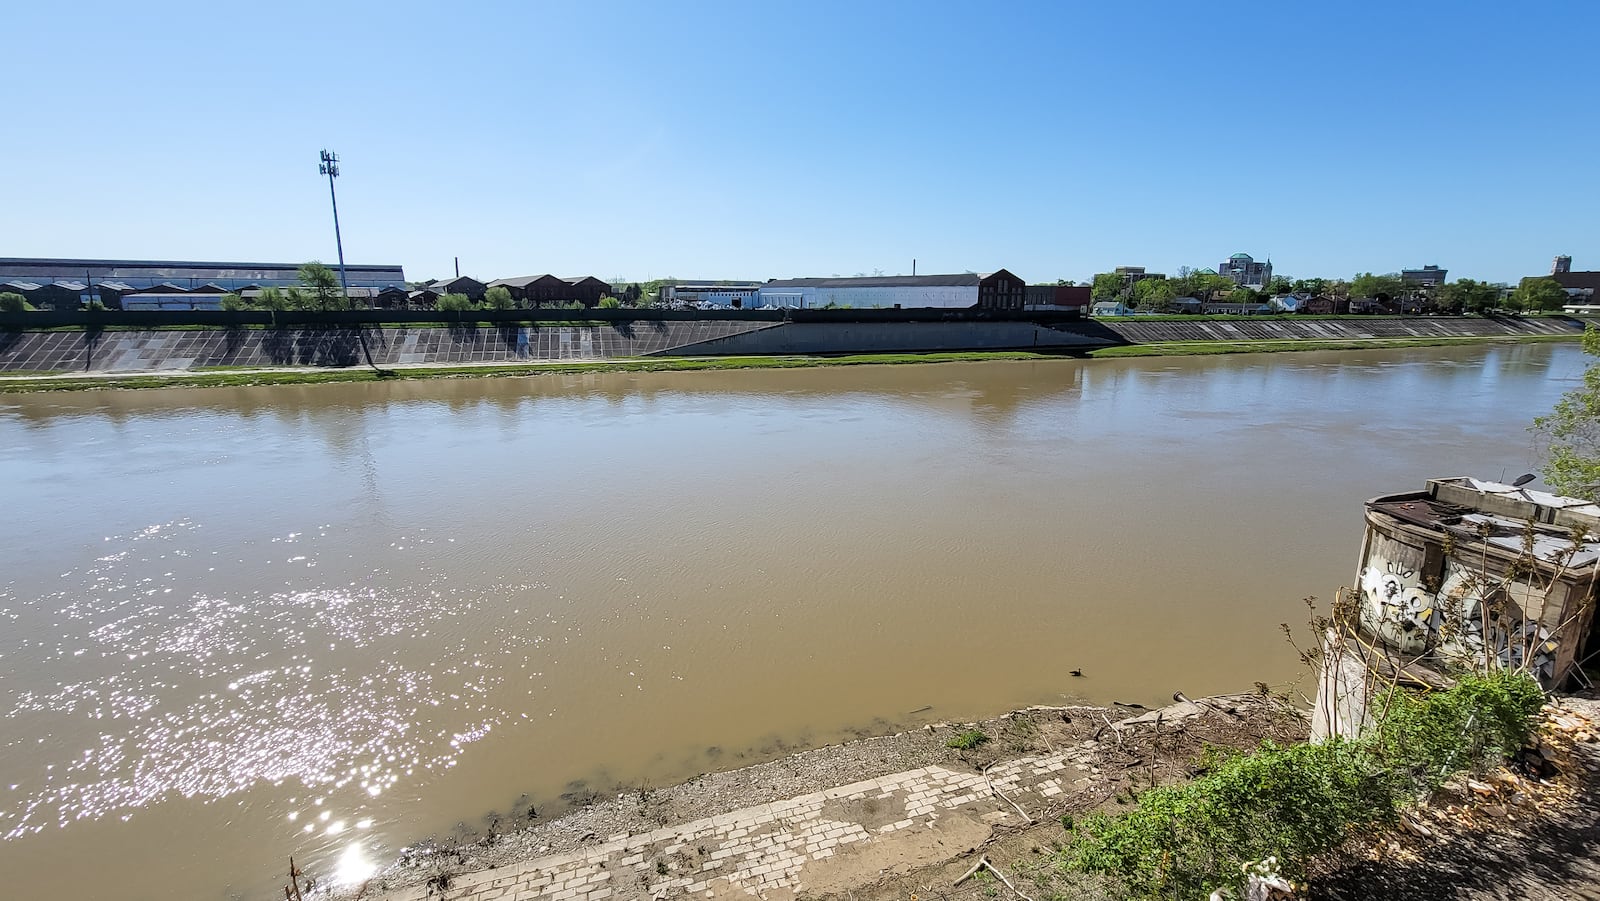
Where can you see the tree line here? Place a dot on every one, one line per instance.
(1161, 294)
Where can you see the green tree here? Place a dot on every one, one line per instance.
(1388, 286)
(1241, 294)
(234, 302)
(323, 283)
(1154, 295)
(456, 303)
(1107, 286)
(1572, 433)
(1312, 286)
(498, 298)
(1280, 285)
(1201, 283)
(1542, 293)
(609, 303)
(12, 302)
(1467, 296)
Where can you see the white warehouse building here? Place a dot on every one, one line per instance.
(991, 290)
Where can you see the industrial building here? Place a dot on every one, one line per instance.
(71, 283)
(542, 290)
(708, 293)
(998, 290)
(1058, 298)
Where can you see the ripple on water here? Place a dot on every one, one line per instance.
(170, 686)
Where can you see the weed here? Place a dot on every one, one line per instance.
(966, 741)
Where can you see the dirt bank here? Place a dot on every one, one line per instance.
(1031, 767)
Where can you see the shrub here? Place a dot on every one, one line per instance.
(1298, 801)
(966, 741)
(498, 298)
(1286, 801)
(456, 303)
(1482, 719)
(12, 302)
(609, 303)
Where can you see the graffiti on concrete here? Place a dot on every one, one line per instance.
(1464, 620)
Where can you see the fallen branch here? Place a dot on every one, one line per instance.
(968, 874)
(1005, 880)
(983, 863)
(1114, 729)
(985, 773)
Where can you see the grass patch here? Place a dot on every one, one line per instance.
(966, 741)
(221, 377)
(1206, 348)
(224, 377)
(1298, 801)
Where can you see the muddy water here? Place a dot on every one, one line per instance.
(242, 623)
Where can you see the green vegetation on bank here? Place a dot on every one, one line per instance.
(1571, 432)
(1203, 348)
(219, 377)
(309, 375)
(1295, 802)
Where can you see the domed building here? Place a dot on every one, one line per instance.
(1244, 270)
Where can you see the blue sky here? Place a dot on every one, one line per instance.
(767, 140)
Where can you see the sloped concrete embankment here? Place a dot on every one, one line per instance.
(895, 337)
(1135, 332)
(154, 350)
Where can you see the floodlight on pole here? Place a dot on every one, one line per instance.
(330, 168)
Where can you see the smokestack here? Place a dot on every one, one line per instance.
(458, 267)
(913, 265)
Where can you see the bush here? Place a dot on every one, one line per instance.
(498, 298)
(12, 302)
(1298, 801)
(1286, 801)
(609, 303)
(456, 303)
(1481, 720)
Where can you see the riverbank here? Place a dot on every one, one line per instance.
(837, 819)
(991, 820)
(217, 377)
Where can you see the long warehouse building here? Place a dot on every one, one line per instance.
(63, 281)
(998, 290)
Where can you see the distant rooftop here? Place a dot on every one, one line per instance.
(882, 281)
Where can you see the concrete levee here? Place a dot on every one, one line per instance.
(884, 337)
(152, 350)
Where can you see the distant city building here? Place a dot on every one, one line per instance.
(710, 293)
(1426, 277)
(1562, 264)
(998, 290)
(69, 282)
(1245, 271)
(1132, 274)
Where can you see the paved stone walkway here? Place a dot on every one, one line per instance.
(811, 843)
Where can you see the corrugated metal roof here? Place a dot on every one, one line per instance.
(521, 281)
(965, 279)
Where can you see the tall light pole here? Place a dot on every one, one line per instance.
(330, 168)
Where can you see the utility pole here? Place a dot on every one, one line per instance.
(330, 168)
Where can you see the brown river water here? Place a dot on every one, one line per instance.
(331, 620)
